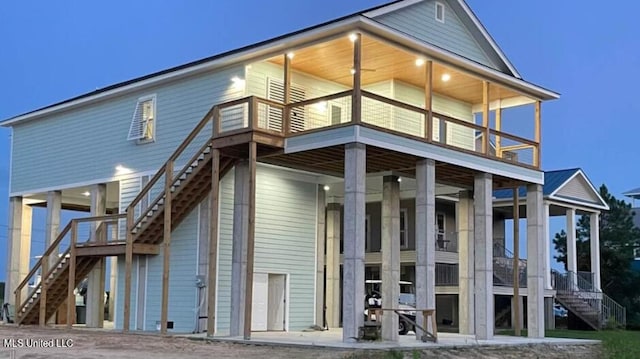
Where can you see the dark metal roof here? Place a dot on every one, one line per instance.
(203, 60)
(634, 193)
(552, 181)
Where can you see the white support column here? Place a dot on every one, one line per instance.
(595, 249)
(425, 240)
(320, 255)
(390, 238)
(535, 262)
(547, 247)
(54, 208)
(572, 259)
(239, 247)
(466, 260)
(96, 278)
(333, 265)
(483, 237)
(354, 237)
(18, 248)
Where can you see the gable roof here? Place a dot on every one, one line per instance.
(471, 23)
(568, 185)
(634, 193)
(290, 39)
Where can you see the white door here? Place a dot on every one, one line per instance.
(260, 302)
(276, 315)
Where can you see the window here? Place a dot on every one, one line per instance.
(404, 229)
(441, 239)
(367, 228)
(143, 127)
(275, 92)
(440, 12)
(336, 115)
(636, 253)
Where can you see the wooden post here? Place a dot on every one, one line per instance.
(428, 101)
(499, 128)
(71, 298)
(128, 267)
(485, 117)
(248, 299)
(44, 271)
(168, 182)
(356, 106)
(286, 121)
(538, 134)
(216, 126)
(213, 242)
(253, 113)
(516, 261)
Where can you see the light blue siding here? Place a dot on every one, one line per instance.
(85, 145)
(419, 21)
(182, 278)
(285, 242)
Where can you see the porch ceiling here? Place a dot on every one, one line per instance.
(333, 60)
(330, 161)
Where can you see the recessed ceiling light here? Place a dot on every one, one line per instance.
(353, 37)
(290, 55)
(86, 193)
(446, 77)
(326, 187)
(419, 62)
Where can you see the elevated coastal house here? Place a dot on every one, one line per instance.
(257, 189)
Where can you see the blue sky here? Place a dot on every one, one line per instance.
(51, 51)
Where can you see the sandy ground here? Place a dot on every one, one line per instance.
(86, 343)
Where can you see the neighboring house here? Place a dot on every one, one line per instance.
(634, 194)
(340, 152)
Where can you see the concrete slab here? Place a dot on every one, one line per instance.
(333, 339)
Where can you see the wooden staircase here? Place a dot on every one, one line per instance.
(145, 220)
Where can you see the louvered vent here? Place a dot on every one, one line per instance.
(276, 93)
(142, 123)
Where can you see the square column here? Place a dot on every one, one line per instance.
(595, 249)
(239, 246)
(466, 260)
(96, 278)
(390, 238)
(18, 248)
(483, 241)
(52, 229)
(547, 248)
(535, 262)
(425, 240)
(333, 265)
(355, 163)
(572, 259)
(320, 245)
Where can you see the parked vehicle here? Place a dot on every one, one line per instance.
(406, 302)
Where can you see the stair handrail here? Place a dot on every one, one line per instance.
(613, 309)
(44, 259)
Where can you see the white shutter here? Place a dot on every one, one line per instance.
(275, 92)
(142, 122)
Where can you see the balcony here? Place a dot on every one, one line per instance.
(364, 80)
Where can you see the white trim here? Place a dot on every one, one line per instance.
(118, 178)
(146, 291)
(578, 203)
(558, 202)
(438, 4)
(10, 159)
(315, 262)
(504, 103)
(391, 8)
(198, 239)
(488, 37)
(579, 171)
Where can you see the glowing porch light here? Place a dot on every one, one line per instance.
(399, 179)
(353, 71)
(326, 187)
(238, 83)
(353, 37)
(290, 55)
(86, 193)
(446, 77)
(122, 170)
(420, 62)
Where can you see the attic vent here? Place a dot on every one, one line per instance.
(276, 93)
(440, 12)
(142, 126)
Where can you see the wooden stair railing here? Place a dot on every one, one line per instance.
(58, 281)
